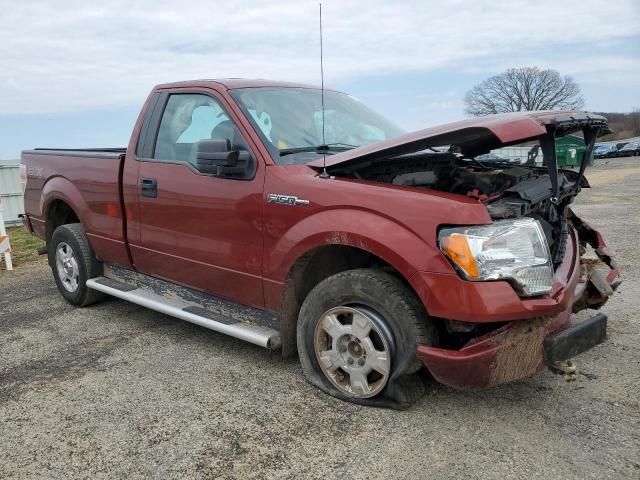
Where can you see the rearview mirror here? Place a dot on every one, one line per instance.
(216, 157)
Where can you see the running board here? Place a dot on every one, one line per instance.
(190, 312)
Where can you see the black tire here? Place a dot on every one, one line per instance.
(88, 266)
(401, 315)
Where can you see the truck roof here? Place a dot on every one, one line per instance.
(232, 83)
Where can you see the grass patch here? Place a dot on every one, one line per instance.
(24, 247)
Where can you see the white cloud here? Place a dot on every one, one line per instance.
(598, 68)
(619, 70)
(71, 55)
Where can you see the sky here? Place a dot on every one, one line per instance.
(75, 73)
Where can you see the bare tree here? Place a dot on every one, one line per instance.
(527, 88)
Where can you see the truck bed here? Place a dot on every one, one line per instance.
(91, 180)
(80, 152)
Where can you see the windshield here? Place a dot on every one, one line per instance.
(289, 119)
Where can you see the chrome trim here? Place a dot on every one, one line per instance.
(261, 336)
(291, 200)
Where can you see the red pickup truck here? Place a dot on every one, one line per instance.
(313, 225)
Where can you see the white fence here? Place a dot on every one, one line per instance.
(517, 153)
(11, 191)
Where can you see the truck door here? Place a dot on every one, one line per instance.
(198, 229)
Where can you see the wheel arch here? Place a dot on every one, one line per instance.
(317, 264)
(62, 203)
(58, 213)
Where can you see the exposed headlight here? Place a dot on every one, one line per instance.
(514, 250)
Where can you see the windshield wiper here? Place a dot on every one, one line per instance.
(329, 148)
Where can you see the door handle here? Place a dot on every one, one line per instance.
(149, 187)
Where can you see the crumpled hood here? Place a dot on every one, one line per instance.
(474, 136)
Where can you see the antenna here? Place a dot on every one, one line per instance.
(322, 147)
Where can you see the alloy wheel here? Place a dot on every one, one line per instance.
(67, 267)
(353, 347)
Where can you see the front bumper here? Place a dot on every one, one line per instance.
(523, 345)
(576, 339)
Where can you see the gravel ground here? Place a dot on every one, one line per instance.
(118, 391)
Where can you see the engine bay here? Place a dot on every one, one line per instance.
(508, 191)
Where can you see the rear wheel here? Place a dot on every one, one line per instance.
(73, 263)
(357, 336)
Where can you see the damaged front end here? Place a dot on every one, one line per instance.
(517, 349)
(446, 159)
(600, 274)
(495, 327)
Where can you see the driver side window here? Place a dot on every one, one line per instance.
(187, 119)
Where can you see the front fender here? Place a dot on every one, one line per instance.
(384, 237)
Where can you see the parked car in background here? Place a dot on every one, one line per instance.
(496, 158)
(629, 150)
(604, 151)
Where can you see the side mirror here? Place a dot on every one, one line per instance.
(216, 157)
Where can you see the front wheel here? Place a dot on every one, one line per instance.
(353, 347)
(73, 263)
(357, 336)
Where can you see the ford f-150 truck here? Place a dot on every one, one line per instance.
(300, 220)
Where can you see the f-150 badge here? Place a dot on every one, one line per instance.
(286, 200)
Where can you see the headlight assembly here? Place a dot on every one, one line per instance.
(514, 250)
